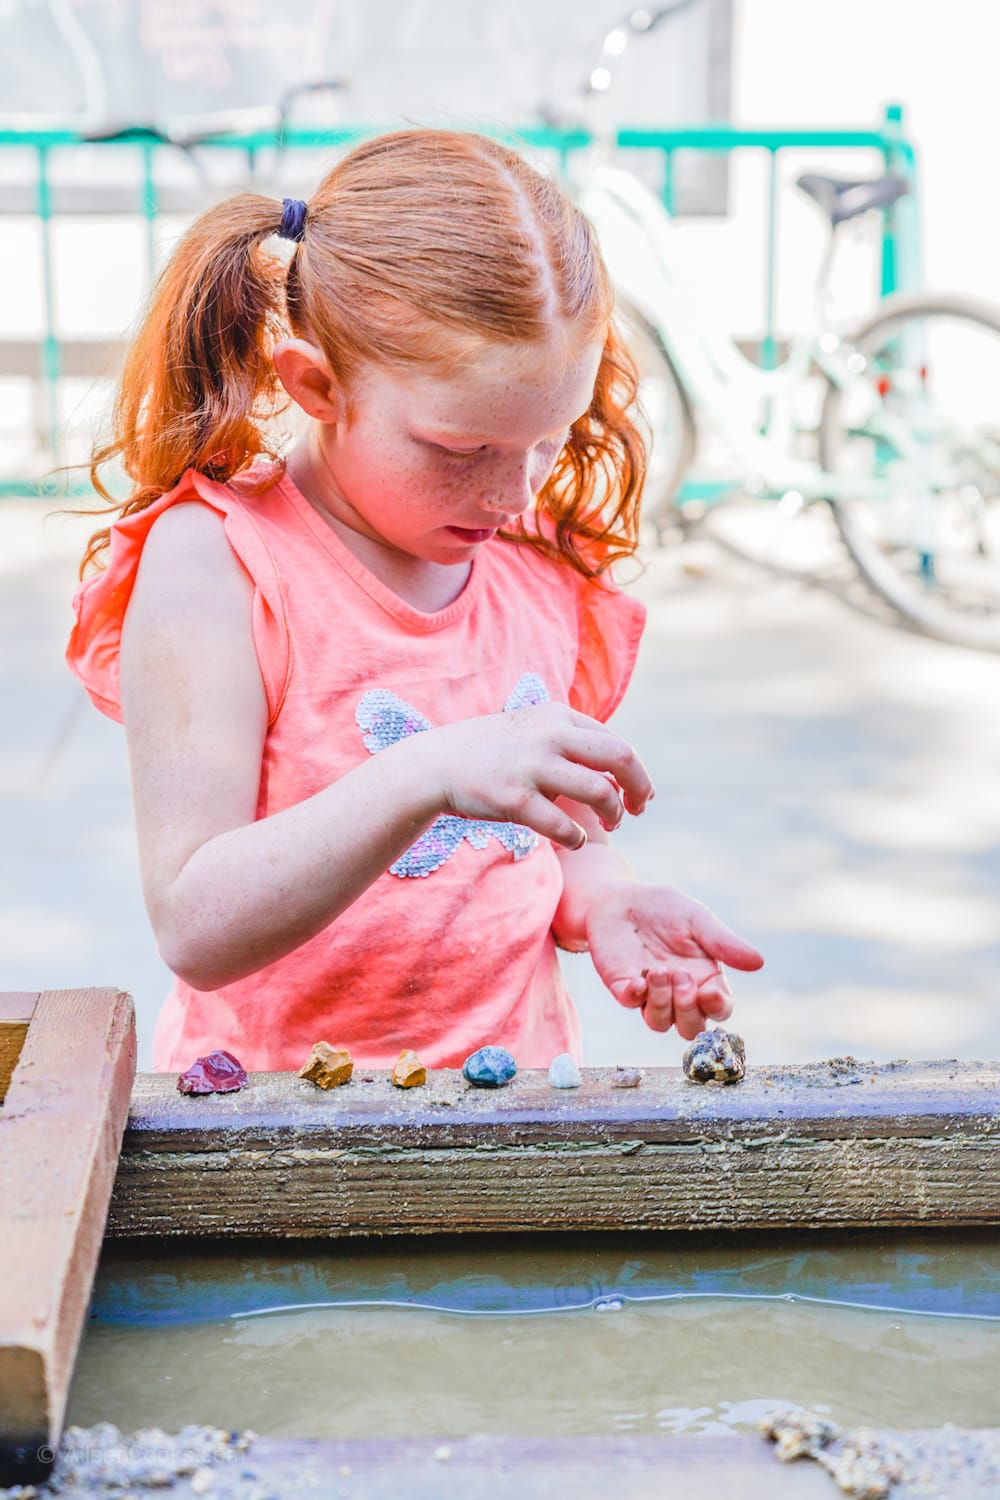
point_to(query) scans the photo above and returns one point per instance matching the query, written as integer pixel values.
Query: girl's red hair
(418, 246)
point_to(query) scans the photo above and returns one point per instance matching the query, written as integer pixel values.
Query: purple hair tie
(293, 220)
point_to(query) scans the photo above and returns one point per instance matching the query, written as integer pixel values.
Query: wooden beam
(60, 1130)
(826, 1145)
(952, 1462)
(16, 1011)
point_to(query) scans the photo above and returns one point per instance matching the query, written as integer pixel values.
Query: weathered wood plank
(959, 1464)
(16, 1011)
(626, 1467)
(821, 1146)
(60, 1131)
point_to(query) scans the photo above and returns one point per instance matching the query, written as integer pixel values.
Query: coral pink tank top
(452, 947)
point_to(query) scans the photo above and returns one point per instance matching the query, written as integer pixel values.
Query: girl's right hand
(511, 767)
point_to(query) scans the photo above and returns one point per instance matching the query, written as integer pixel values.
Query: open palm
(660, 951)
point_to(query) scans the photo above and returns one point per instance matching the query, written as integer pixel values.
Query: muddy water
(615, 1335)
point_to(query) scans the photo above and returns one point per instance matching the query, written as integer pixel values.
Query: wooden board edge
(588, 1467)
(18, 1005)
(63, 1123)
(915, 1145)
(293, 1191)
(16, 1010)
(921, 1098)
(92, 1220)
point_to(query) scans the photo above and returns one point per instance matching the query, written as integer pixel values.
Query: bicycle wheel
(918, 421)
(668, 413)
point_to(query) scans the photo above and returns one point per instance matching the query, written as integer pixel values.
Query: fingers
(672, 998)
(720, 943)
(688, 1016)
(630, 992)
(558, 752)
(673, 1001)
(715, 1000)
(652, 992)
(591, 788)
(603, 750)
(535, 811)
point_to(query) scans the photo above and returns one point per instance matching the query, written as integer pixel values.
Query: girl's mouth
(464, 533)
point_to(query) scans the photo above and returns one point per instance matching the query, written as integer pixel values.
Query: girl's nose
(513, 490)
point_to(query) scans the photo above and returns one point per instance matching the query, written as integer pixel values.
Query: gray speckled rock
(489, 1067)
(716, 1056)
(564, 1073)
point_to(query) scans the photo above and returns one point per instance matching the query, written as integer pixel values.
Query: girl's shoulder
(546, 560)
(606, 622)
(199, 535)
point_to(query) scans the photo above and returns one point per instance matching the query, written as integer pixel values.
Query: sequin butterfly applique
(385, 719)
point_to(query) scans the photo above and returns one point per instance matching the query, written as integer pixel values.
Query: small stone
(489, 1068)
(201, 1481)
(798, 1434)
(564, 1073)
(443, 1453)
(327, 1067)
(409, 1072)
(218, 1073)
(626, 1078)
(716, 1056)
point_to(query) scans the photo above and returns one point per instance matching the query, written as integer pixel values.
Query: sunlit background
(827, 777)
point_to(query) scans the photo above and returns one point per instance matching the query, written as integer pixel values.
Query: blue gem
(490, 1067)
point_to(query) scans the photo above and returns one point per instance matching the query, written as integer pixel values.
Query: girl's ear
(308, 379)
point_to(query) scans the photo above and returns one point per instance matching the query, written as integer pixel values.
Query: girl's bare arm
(227, 895)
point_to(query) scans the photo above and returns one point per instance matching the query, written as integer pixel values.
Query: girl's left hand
(659, 951)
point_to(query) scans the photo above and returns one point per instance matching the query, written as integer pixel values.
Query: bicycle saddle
(841, 198)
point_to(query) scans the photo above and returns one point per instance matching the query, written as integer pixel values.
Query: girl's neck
(425, 586)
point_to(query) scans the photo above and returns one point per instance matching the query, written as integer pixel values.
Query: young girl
(365, 686)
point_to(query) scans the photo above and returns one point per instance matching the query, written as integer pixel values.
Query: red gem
(218, 1073)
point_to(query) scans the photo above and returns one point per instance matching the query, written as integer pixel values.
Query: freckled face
(433, 466)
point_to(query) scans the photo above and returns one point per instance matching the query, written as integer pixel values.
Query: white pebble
(564, 1073)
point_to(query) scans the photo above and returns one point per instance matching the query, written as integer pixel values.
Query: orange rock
(327, 1067)
(409, 1071)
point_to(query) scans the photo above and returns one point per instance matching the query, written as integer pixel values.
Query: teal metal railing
(900, 240)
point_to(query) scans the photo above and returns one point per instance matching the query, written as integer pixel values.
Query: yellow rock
(327, 1067)
(409, 1071)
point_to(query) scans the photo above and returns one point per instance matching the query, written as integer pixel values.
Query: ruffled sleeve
(100, 602)
(610, 629)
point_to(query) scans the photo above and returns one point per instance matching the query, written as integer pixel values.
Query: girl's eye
(459, 452)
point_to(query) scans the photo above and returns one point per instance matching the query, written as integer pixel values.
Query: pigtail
(199, 380)
(594, 492)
